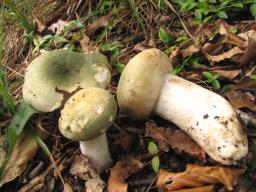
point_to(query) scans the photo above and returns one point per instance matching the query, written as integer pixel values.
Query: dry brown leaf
(177, 139)
(84, 43)
(58, 27)
(67, 188)
(228, 74)
(198, 176)
(39, 24)
(242, 94)
(103, 21)
(24, 149)
(239, 99)
(82, 168)
(250, 53)
(95, 185)
(122, 170)
(208, 188)
(225, 55)
(190, 50)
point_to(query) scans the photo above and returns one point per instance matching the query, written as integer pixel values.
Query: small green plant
(164, 36)
(115, 49)
(207, 10)
(253, 77)
(155, 161)
(212, 79)
(227, 87)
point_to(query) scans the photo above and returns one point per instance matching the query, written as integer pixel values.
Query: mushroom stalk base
(97, 151)
(207, 117)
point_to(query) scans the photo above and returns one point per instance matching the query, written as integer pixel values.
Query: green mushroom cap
(62, 70)
(87, 114)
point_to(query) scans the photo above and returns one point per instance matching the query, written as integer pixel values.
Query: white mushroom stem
(97, 151)
(207, 117)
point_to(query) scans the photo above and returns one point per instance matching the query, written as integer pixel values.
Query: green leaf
(215, 83)
(238, 5)
(253, 9)
(227, 87)
(216, 76)
(198, 14)
(17, 125)
(222, 15)
(207, 19)
(59, 39)
(164, 36)
(253, 77)
(118, 66)
(114, 47)
(152, 148)
(155, 162)
(42, 144)
(207, 75)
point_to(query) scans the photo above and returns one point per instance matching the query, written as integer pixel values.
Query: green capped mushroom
(86, 116)
(62, 70)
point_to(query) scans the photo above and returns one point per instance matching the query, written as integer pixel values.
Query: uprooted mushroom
(146, 86)
(56, 72)
(86, 116)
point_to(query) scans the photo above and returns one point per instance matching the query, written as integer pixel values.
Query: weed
(212, 79)
(155, 161)
(207, 10)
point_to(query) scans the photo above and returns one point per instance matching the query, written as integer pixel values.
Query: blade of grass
(132, 5)
(46, 150)
(17, 125)
(19, 16)
(4, 92)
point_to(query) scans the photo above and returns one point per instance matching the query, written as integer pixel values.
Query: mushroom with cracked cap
(62, 70)
(146, 85)
(85, 117)
(58, 71)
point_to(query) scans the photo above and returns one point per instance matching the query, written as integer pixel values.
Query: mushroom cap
(62, 70)
(87, 114)
(140, 83)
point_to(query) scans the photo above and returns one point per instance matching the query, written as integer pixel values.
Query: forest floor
(211, 43)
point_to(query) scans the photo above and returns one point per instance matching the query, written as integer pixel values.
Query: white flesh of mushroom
(207, 117)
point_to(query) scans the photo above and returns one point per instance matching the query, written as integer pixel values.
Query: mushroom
(146, 86)
(62, 70)
(85, 117)
(56, 72)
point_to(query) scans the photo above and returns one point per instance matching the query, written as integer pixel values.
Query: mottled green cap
(62, 70)
(87, 114)
(140, 83)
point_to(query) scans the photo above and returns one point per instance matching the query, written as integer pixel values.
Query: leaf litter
(220, 51)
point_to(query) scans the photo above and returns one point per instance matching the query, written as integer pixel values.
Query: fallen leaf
(67, 188)
(177, 139)
(58, 27)
(24, 149)
(208, 188)
(82, 168)
(198, 176)
(122, 170)
(190, 50)
(242, 94)
(84, 43)
(40, 24)
(95, 185)
(228, 74)
(226, 55)
(239, 99)
(249, 54)
(103, 21)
